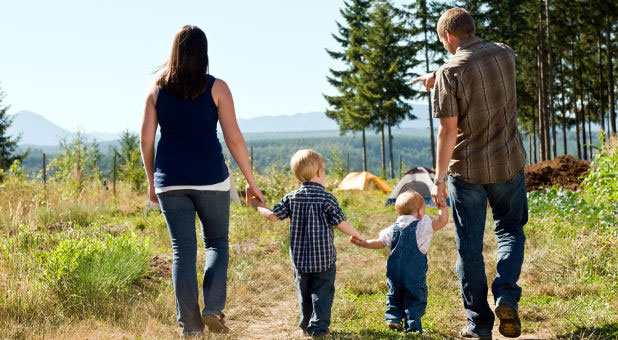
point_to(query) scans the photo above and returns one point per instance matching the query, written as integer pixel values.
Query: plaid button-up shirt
(313, 212)
(477, 84)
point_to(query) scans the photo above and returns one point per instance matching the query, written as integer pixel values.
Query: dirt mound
(565, 171)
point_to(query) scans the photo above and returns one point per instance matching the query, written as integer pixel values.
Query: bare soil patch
(565, 171)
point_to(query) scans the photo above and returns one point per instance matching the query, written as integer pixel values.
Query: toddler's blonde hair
(409, 203)
(306, 163)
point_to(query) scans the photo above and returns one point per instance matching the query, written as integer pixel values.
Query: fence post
(400, 167)
(44, 173)
(347, 164)
(114, 182)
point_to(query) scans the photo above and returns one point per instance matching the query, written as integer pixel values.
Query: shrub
(88, 269)
(601, 184)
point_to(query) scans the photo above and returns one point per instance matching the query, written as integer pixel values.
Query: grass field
(77, 262)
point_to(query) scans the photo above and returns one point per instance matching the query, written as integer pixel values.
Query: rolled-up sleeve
(333, 212)
(282, 209)
(444, 95)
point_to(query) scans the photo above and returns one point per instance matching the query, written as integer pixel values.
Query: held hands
(251, 192)
(255, 203)
(358, 241)
(428, 80)
(438, 194)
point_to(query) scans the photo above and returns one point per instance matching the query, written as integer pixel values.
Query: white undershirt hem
(221, 186)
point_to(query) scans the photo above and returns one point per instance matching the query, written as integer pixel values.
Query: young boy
(406, 266)
(313, 212)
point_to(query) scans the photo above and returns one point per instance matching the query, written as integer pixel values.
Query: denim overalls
(405, 275)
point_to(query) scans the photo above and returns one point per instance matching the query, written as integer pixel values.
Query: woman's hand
(253, 191)
(152, 196)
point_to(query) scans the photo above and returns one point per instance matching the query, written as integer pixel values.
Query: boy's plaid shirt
(313, 212)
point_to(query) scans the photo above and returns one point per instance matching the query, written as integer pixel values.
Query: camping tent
(363, 180)
(417, 179)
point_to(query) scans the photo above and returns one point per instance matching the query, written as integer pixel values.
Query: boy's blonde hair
(306, 163)
(409, 203)
(458, 22)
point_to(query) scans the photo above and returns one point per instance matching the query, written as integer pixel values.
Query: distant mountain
(37, 130)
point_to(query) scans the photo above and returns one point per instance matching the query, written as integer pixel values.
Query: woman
(190, 174)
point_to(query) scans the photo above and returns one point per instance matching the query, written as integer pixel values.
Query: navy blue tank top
(189, 152)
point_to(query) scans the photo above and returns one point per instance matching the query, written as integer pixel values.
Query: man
(479, 143)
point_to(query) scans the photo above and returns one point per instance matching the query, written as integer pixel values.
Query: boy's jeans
(213, 209)
(509, 205)
(315, 298)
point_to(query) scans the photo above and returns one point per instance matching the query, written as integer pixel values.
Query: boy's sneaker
(467, 334)
(510, 325)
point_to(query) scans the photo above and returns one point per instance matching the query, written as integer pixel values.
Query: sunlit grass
(569, 278)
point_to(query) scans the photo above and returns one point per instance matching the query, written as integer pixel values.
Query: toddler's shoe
(510, 325)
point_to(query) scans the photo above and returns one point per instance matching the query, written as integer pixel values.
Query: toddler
(406, 266)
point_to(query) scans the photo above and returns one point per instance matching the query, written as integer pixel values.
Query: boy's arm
(262, 209)
(348, 229)
(371, 244)
(442, 219)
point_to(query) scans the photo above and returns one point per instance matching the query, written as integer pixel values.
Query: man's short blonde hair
(458, 22)
(409, 203)
(306, 163)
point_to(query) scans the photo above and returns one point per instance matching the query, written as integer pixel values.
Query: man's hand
(438, 194)
(428, 80)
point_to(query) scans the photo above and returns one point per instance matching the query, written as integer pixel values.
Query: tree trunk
(610, 76)
(583, 112)
(433, 142)
(383, 151)
(541, 88)
(390, 150)
(534, 135)
(550, 82)
(529, 149)
(590, 145)
(364, 152)
(574, 102)
(601, 99)
(563, 97)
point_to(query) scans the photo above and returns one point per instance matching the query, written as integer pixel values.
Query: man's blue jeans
(509, 205)
(316, 292)
(213, 209)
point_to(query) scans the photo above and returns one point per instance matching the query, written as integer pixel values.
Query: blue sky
(86, 65)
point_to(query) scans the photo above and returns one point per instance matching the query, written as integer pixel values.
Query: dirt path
(277, 322)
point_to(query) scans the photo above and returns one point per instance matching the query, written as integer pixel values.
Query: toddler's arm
(371, 244)
(442, 218)
(262, 209)
(348, 229)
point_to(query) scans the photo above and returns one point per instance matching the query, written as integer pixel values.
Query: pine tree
(8, 144)
(347, 108)
(385, 77)
(425, 16)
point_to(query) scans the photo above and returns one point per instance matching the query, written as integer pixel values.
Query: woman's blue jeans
(213, 209)
(509, 207)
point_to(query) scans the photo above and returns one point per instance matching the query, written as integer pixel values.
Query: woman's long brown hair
(185, 73)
